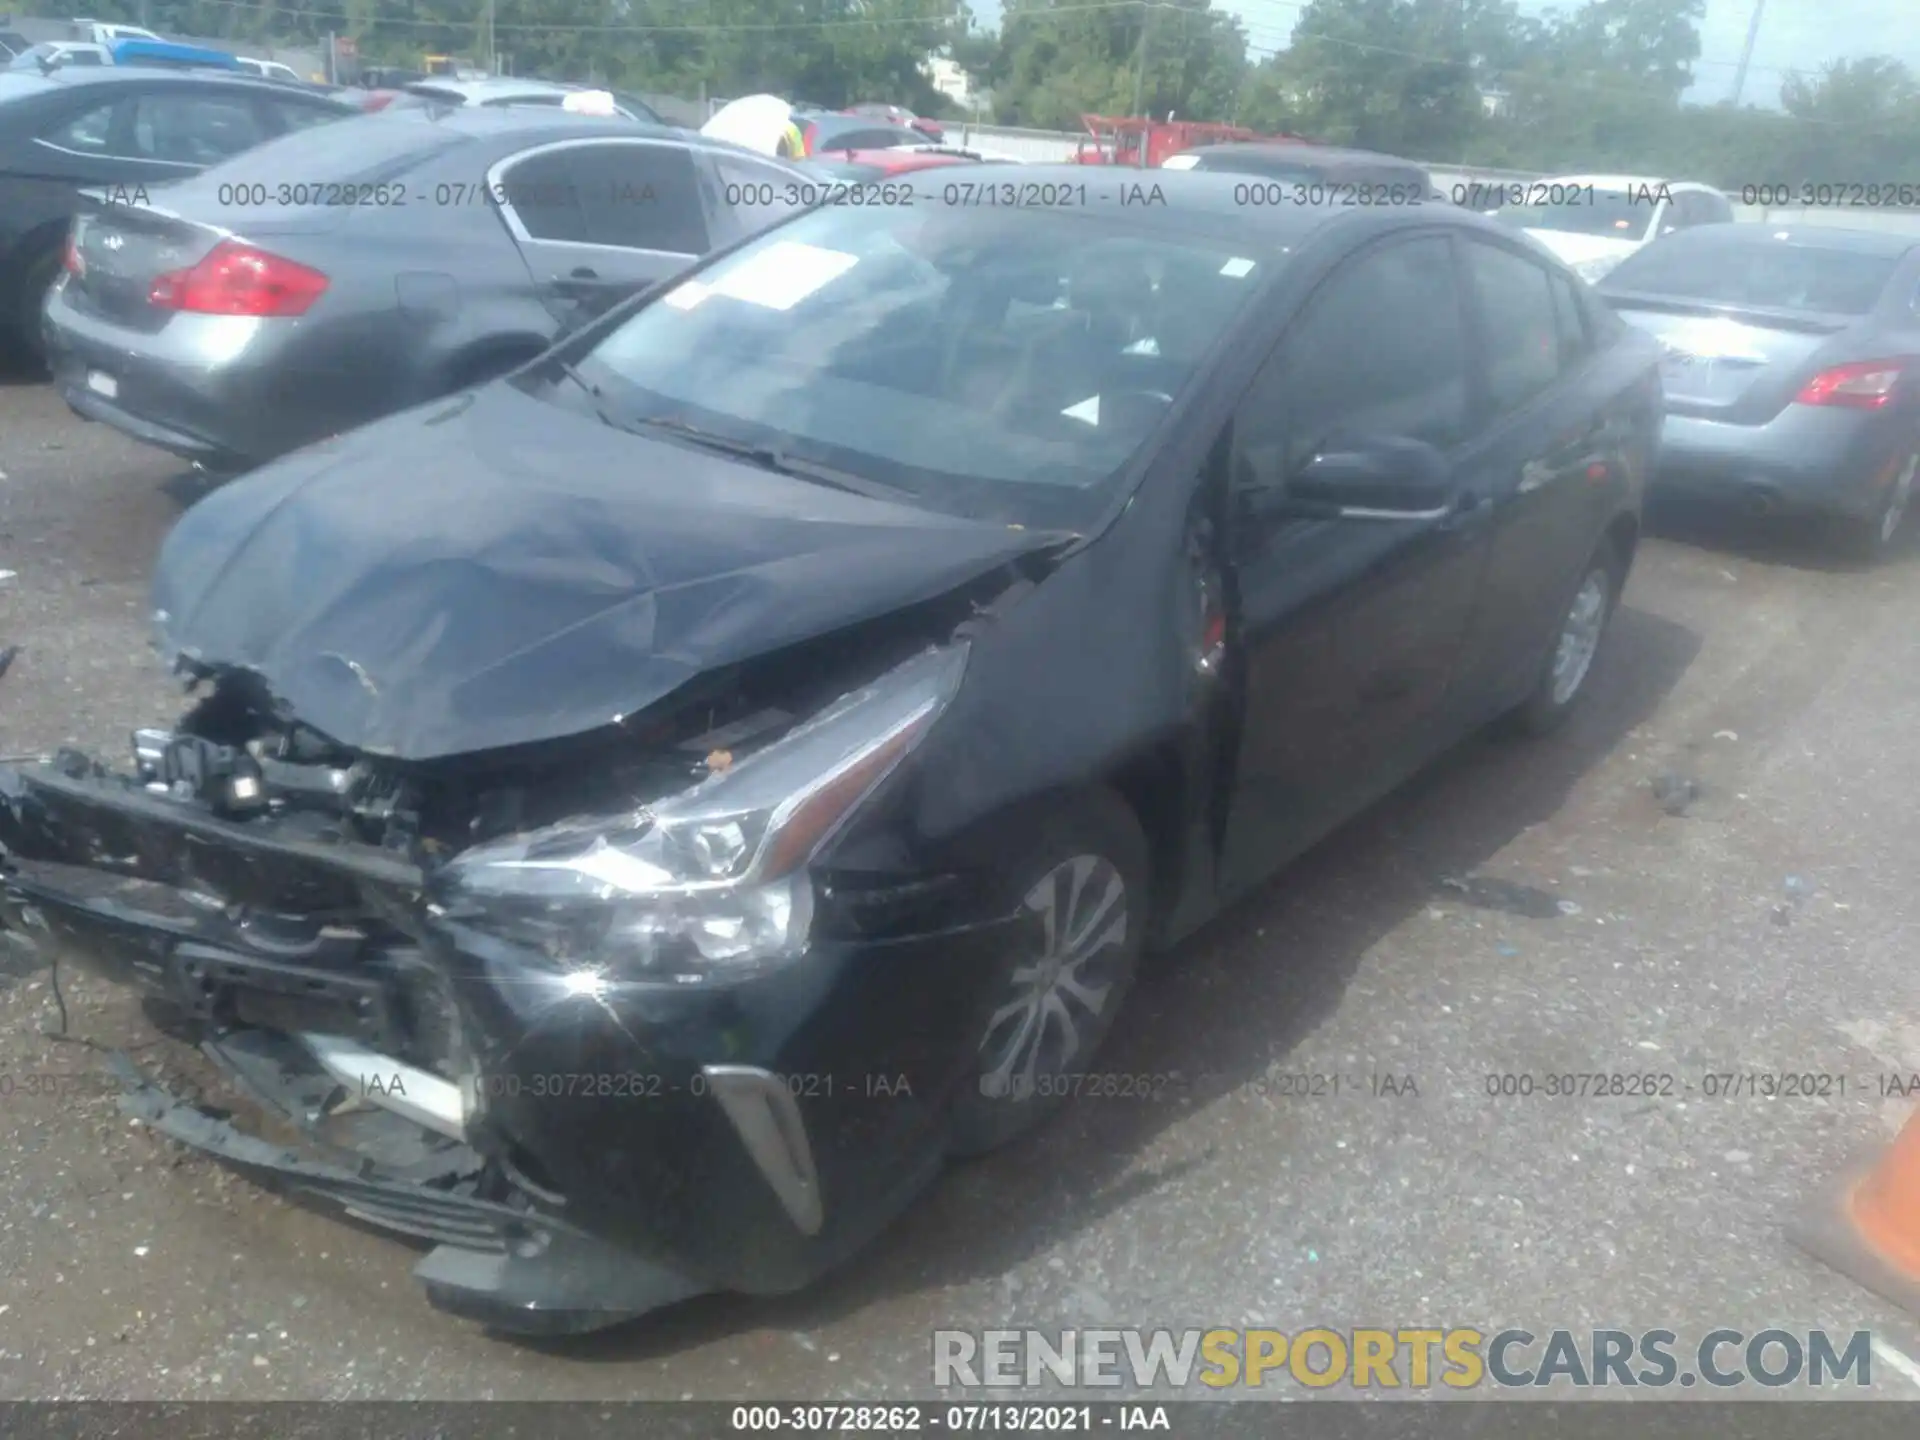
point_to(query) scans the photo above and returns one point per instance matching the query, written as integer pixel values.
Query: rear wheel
(1873, 538)
(1584, 625)
(23, 318)
(1081, 887)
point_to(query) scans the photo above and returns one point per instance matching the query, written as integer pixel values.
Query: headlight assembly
(713, 880)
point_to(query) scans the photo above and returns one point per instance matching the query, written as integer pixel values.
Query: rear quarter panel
(414, 289)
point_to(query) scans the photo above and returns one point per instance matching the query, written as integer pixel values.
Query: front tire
(1081, 884)
(1563, 679)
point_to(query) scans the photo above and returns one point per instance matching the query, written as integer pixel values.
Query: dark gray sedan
(347, 272)
(1792, 368)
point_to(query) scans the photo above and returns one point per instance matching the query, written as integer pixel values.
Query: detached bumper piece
(514, 1270)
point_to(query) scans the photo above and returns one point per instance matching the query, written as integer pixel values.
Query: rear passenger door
(126, 141)
(1544, 426)
(598, 220)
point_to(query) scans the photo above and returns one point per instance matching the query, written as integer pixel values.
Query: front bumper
(1807, 460)
(635, 1144)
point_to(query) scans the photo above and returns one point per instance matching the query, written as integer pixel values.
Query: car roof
(493, 87)
(1306, 154)
(152, 75)
(1626, 182)
(481, 121)
(1207, 202)
(1811, 237)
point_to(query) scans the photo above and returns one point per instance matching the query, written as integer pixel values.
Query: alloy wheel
(1059, 1000)
(1580, 636)
(1898, 501)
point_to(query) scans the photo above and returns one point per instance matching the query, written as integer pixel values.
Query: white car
(1593, 222)
(96, 33)
(269, 69)
(50, 54)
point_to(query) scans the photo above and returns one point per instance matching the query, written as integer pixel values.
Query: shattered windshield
(990, 362)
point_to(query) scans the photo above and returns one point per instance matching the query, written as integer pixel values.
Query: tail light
(1863, 385)
(70, 260)
(807, 132)
(236, 279)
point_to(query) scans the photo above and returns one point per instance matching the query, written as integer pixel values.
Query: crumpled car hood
(496, 570)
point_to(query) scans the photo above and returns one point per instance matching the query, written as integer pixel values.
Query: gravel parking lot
(1768, 928)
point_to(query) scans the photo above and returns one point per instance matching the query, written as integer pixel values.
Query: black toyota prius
(641, 817)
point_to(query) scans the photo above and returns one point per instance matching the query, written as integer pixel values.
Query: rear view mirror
(1383, 479)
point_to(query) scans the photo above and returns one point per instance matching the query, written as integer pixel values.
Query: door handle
(1469, 510)
(583, 272)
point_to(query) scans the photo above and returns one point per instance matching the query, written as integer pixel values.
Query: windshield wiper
(593, 392)
(771, 457)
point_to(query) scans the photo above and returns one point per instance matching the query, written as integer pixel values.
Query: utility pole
(487, 24)
(1140, 73)
(1746, 51)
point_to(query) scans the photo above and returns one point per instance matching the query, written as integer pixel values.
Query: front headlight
(712, 880)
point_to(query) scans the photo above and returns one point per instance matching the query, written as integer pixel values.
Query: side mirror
(1383, 479)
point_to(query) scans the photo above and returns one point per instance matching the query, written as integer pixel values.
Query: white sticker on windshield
(685, 297)
(1237, 267)
(1180, 162)
(1087, 410)
(782, 275)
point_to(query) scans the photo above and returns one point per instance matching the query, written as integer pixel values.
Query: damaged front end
(541, 1009)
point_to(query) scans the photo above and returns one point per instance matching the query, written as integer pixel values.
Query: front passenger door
(1349, 627)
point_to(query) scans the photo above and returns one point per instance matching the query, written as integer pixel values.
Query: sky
(1794, 34)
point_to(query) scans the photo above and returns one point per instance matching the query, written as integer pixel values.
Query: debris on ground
(7, 656)
(1676, 793)
(1486, 892)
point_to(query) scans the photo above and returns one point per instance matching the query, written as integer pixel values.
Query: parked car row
(117, 132)
(843, 663)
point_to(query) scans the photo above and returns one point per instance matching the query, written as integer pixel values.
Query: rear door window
(88, 133)
(182, 127)
(639, 196)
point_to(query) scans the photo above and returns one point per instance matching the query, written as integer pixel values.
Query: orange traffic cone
(1867, 1226)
